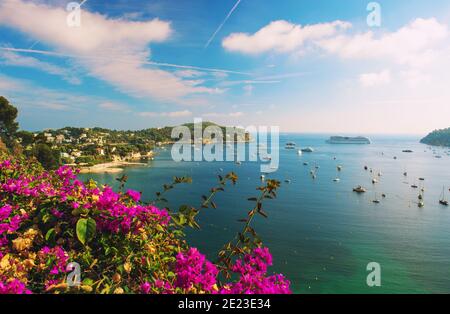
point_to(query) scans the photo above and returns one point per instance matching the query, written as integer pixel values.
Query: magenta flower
(135, 195)
(146, 288)
(5, 211)
(194, 270)
(13, 287)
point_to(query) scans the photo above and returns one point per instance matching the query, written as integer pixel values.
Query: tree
(8, 124)
(48, 158)
(27, 138)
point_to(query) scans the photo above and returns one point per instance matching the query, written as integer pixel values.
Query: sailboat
(443, 201)
(376, 200)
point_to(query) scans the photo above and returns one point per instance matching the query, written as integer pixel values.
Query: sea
(322, 235)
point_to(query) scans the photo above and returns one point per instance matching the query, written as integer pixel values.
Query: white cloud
(375, 79)
(99, 42)
(13, 59)
(223, 115)
(173, 114)
(281, 37)
(7, 85)
(112, 106)
(26, 95)
(417, 44)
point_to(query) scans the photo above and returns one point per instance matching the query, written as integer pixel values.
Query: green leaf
(86, 229)
(50, 235)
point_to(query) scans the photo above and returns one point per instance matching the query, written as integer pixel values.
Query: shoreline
(110, 167)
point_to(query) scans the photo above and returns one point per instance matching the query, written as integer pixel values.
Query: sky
(305, 66)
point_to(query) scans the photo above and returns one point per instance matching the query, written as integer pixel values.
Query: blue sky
(305, 66)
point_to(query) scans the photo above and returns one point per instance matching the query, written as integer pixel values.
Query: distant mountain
(438, 138)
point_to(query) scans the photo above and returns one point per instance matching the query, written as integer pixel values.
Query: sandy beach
(111, 167)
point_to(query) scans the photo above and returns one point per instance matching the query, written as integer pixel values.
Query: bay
(321, 234)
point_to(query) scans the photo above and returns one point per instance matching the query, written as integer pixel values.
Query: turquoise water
(323, 235)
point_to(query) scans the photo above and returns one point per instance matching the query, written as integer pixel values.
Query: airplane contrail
(222, 24)
(159, 64)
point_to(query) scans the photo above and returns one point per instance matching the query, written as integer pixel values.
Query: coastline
(110, 167)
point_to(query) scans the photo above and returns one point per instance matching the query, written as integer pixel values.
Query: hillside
(438, 138)
(99, 145)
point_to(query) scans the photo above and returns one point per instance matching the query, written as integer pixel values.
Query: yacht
(359, 189)
(290, 145)
(348, 140)
(307, 150)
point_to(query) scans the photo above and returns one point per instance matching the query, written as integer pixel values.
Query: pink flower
(75, 205)
(146, 288)
(5, 211)
(135, 195)
(193, 269)
(13, 287)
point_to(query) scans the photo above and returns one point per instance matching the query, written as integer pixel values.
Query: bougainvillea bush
(51, 220)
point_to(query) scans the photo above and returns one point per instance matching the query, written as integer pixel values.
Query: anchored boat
(443, 200)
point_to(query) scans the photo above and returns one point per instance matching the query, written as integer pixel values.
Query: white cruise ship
(348, 140)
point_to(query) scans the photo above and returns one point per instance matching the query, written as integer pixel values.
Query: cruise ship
(348, 140)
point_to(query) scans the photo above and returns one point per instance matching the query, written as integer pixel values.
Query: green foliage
(121, 244)
(8, 124)
(48, 158)
(27, 138)
(438, 138)
(85, 229)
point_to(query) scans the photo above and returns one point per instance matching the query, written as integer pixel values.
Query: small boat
(307, 150)
(263, 177)
(305, 163)
(395, 157)
(380, 174)
(336, 180)
(420, 197)
(438, 156)
(287, 181)
(299, 152)
(422, 179)
(366, 168)
(339, 168)
(443, 200)
(359, 189)
(383, 195)
(407, 151)
(238, 163)
(374, 181)
(421, 204)
(290, 145)
(376, 200)
(414, 186)
(405, 174)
